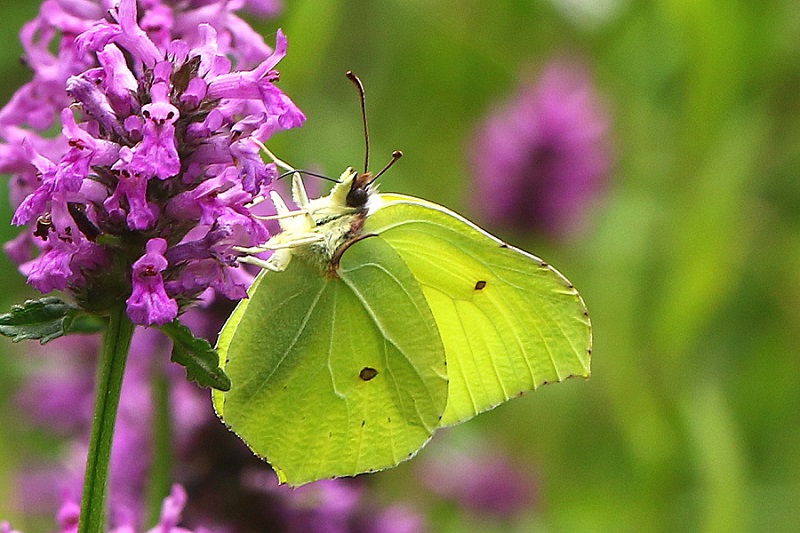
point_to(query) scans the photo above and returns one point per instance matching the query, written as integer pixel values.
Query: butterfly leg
(287, 218)
(281, 242)
(281, 246)
(277, 262)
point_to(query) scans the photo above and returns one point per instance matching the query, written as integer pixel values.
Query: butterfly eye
(357, 197)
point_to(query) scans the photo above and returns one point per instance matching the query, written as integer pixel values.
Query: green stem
(159, 482)
(110, 369)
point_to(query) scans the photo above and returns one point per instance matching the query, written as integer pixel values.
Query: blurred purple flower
(171, 511)
(5, 527)
(264, 8)
(146, 191)
(396, 519)
(227, 487)
(483, 483)
(326, 506)
(60, 396)
(67, 517)
(170, 517)
(540, 160)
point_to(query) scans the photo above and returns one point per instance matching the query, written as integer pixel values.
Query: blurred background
(648, 150)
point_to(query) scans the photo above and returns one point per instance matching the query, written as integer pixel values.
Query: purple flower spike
(539, 161)
(159, 144)
(149, 303)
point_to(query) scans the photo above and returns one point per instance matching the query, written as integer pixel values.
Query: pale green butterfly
(380, 318)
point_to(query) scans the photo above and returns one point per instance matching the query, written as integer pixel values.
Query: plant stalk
(110, 370)
(159, 476)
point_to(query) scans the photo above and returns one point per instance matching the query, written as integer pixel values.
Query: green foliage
(197, 355)
(46, 319)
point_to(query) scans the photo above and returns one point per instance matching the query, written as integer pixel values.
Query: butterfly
(380, 318)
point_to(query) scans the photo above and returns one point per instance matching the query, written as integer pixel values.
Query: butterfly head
(360, 190)
(359, 186)
(355, 190)
(352, 192)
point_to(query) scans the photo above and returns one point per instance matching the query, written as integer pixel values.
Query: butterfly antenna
(397, 154)
(357, 82)
(307, 173)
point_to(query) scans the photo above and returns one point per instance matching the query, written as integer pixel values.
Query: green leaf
(197, 355)
(43, 320)
(79, 322)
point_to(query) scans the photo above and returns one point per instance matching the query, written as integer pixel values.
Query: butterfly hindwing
(509, 322)
(334, 374)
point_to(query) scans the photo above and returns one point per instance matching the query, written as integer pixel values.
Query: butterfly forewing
(508, 321)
